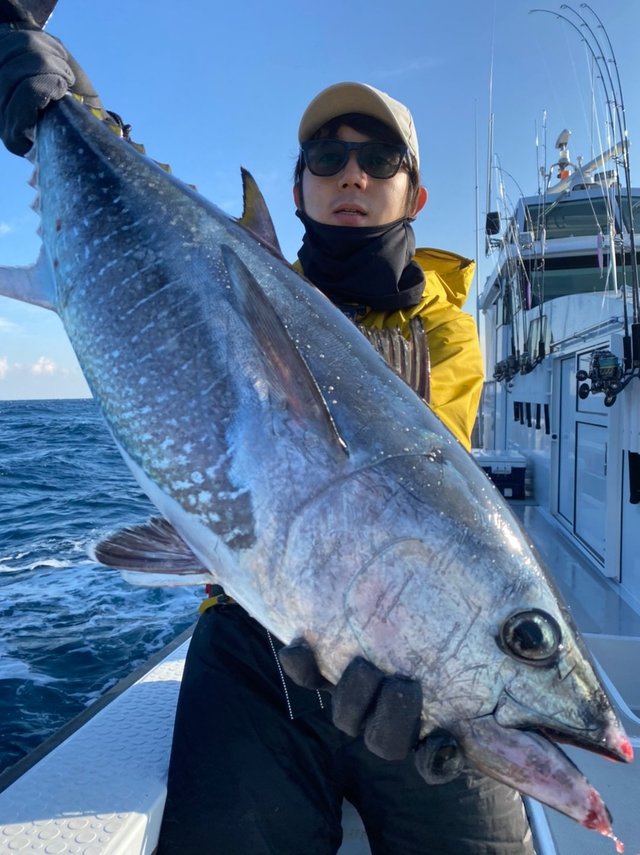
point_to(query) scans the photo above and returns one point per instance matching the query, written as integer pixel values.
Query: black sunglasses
(378, 159)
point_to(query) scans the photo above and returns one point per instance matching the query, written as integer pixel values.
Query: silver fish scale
(132, 332)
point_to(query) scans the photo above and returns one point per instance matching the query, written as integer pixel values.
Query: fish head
(442, 584)
(551, 684)
(543, 675)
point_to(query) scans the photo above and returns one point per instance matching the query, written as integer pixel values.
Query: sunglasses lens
(325, 157)
(328, 157)
(380, 160)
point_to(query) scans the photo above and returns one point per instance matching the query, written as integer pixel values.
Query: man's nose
(352, 172)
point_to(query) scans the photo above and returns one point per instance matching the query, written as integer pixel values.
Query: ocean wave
(37, 565)
(69, 629)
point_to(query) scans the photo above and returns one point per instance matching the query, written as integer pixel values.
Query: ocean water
(69, 629)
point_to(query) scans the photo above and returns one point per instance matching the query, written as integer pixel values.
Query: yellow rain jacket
(457, 372)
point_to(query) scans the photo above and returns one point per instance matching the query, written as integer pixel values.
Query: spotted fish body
(302, 473)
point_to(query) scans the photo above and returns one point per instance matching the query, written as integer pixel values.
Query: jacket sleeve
(457, 372)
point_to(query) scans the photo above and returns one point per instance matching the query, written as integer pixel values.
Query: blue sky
(224, 85)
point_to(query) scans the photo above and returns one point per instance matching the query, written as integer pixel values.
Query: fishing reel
(605, 375)
(506, 369)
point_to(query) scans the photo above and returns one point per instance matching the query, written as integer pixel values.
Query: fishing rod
(622, 121)
(538, 231)
(605, 374)
(519, 291)
(495, 227)
(632, 356)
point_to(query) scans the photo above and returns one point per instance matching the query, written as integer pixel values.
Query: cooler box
(505, 468)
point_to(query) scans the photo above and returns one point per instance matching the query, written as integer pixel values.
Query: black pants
(257, 768)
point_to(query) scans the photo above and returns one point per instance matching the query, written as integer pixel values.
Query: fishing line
(622, 119)
(614, 96)
(487, 241)
(614, 103)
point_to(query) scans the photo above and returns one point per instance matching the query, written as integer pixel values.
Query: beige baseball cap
(359, 98)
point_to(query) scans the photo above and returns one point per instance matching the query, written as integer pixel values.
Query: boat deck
(101, 790)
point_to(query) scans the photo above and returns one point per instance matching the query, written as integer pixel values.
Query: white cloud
(4, 367)
(7, 326)
(414, 66)
(43, 365)
(5, 229)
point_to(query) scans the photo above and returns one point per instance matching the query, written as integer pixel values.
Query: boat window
(571, 218)
(505, 301)
(635, 200)
(560, 279)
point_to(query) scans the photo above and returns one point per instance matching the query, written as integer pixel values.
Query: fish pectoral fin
(255, 215)
(33, 284)
(151, 547)
(284, 370)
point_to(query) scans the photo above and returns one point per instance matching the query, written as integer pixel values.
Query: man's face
(353, 198)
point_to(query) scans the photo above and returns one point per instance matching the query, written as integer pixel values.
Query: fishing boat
(559, 432)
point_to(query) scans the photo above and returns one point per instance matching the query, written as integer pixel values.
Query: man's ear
(297, 197)
(421, 201)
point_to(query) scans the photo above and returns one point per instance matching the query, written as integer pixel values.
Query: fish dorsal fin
(151, 547)
(290, 381)
(255, 215)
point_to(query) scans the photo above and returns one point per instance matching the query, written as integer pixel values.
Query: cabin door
(582, 459)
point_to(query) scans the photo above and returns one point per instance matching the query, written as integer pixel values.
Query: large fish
(295, 468)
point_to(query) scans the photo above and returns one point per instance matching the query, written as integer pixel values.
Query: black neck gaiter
(369, 265)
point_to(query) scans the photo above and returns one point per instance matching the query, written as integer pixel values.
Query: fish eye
(532, 636)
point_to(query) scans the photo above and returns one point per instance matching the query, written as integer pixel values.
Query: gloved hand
(386, 710)
(34, 69)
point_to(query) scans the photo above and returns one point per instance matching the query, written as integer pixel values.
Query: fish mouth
(601, 732)
(612, 747)
(517, 744)
(531, 763)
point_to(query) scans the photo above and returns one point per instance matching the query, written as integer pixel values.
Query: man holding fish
(265, 748)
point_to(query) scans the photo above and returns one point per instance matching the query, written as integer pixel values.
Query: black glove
(385, 709)
(34, 69)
